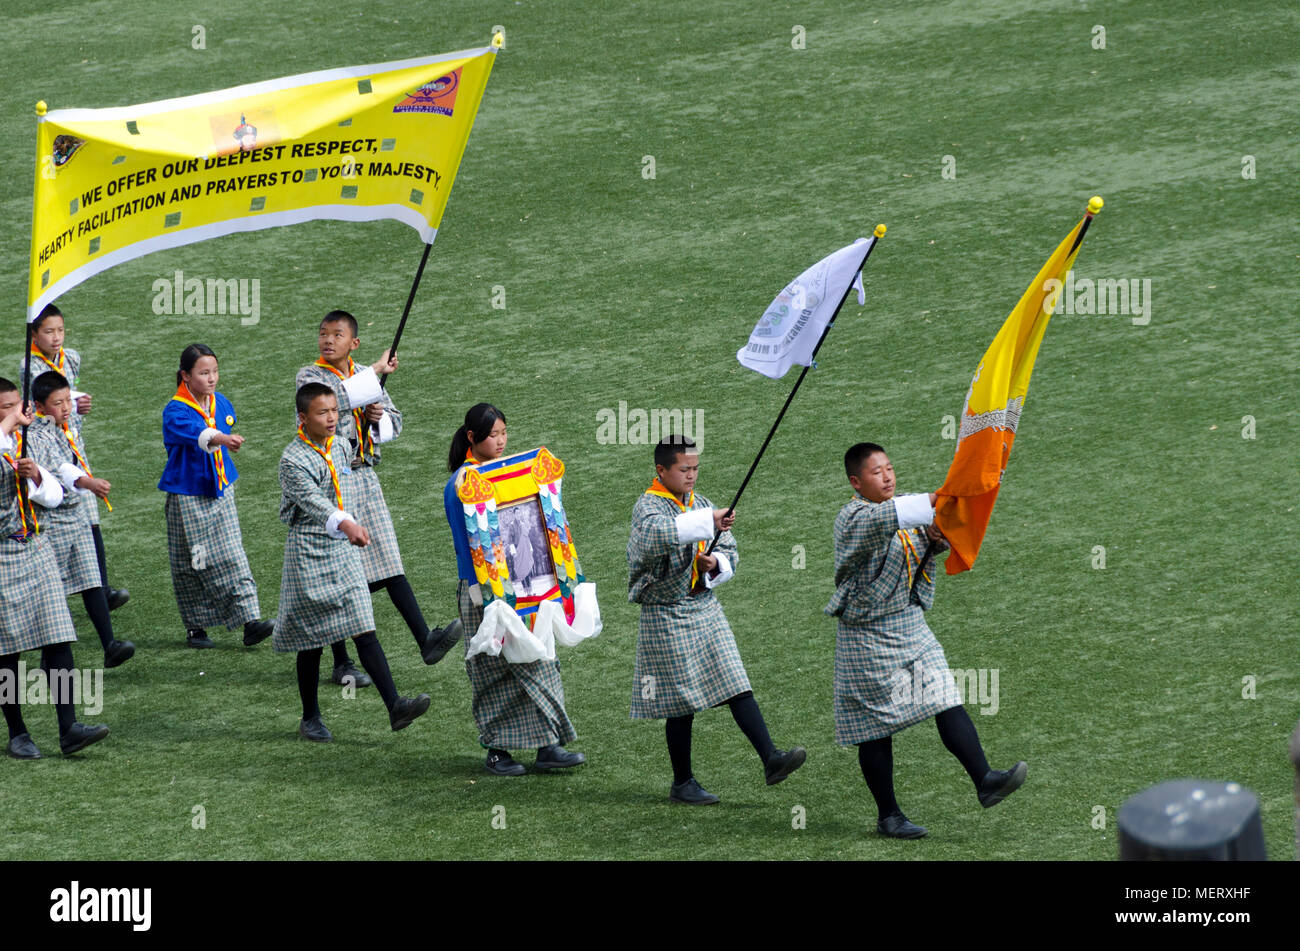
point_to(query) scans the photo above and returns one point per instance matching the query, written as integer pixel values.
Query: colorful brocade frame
(483, 487)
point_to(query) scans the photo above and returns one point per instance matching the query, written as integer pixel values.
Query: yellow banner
(361, 143)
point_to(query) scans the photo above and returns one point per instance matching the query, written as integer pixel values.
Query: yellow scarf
(85, 466)
(183, 395)
(365, 441)
(327, 454)
(26, 507)
(657, 488)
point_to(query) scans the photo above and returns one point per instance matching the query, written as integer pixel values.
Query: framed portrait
(519, 535)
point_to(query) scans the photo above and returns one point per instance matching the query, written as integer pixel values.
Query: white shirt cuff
(725, 571)
(694, 526)
(6, 442)
(913, 510)
(386, 432)
(363, 388)
(69, 474)
(48, 494)
(205, 439)
(334, 521)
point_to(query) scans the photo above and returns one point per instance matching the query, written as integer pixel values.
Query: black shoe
(117, 597)
(257, 631)
(198, 638)
(437, 643)
(898, 826)
(118, 653)
(79, 736)
(314, 730)
(499, 764)
(22, 747)
(692, 793)
(998, 784)
(408, 709)
(781, 764)
(556, 756)
(359, 678)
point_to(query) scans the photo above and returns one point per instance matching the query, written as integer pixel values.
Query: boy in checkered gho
(890, 671)
(686, 656)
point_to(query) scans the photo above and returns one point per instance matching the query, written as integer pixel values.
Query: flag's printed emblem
(65, 146)
(438, 97)
(245, 134)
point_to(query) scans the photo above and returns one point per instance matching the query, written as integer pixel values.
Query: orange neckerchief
(365, 441)
(469, 457)
(657, 488)
(326, 454)
(85, 466)
(183, 395)
(26, 507)
(58, 368)
(910, 552)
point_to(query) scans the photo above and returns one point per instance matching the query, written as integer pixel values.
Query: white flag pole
(878, 234)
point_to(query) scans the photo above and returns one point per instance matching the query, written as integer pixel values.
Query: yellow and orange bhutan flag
(993, 405)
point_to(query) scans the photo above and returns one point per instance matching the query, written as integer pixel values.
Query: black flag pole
(878, 234)
(410, 299)
(27, 389)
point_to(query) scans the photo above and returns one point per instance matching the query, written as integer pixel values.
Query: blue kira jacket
(190, 470)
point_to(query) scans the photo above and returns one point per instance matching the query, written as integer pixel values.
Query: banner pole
(27, 389)
(410, 299)
(878, 233)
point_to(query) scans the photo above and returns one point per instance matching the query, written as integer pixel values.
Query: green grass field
(624, 288)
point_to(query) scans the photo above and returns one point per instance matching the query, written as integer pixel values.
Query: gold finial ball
(880, 231)
(41, 108)
(1095, 204)
(499, 39)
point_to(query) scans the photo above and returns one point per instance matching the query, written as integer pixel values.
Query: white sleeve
(49, 493)
(205, 439)
(386, 433)
(6, 442)
(363, 388)
(913, 510)
(334, 521)
(694, 526)
(68, 475)
(725, 571)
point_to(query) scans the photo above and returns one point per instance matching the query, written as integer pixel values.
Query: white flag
(789, 330)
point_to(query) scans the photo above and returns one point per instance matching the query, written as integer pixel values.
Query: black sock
(745, 711)
(99, 555)
(399, 589)
(376, 665)
(308, 681)
(340, 651)
(958, 734)
(96, 602)
(678, 732)
(493, 751)
(55, 659)
(13, 710)
(876, 757)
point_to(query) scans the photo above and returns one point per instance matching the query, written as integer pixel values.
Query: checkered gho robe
(686, 656)
(516, 706)
(33, 607)
(890, 671)
(323, 593)
(382, 558)
(67, 527)
(71, 372)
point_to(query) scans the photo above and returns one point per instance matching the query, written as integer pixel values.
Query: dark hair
(670, 447)
(335, 316)
(479, 420)
(49, 310)
(309, 392)
(857, 455)
(47, 384)
(190, 356)
(8, 386)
